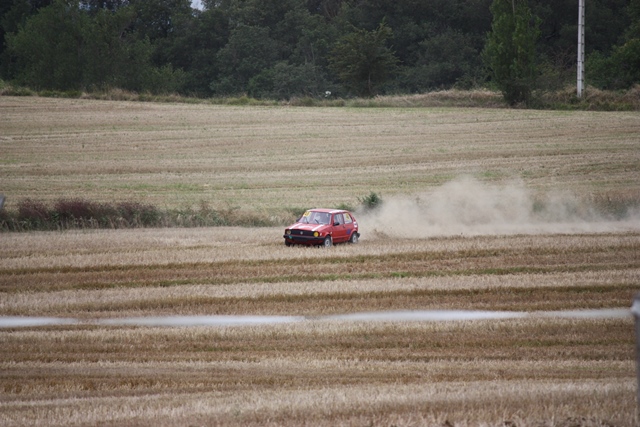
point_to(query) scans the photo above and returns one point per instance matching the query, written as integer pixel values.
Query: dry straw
(273, 161)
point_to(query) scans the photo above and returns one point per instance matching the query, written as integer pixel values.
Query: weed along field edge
(523, 227)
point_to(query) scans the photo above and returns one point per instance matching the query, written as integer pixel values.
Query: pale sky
(197, 4)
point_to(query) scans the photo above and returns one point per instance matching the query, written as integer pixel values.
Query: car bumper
(303, 240)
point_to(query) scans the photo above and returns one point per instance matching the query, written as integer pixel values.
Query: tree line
(281, 49)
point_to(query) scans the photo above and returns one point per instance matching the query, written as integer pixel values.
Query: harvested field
(511, 255)
(273, 159)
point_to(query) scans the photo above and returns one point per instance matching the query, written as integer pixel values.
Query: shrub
(345, 206)
(371, 201)
(59, 94)
(16, 91)
(138, 214)
(79, 213)
(619, 71)
(33, 214)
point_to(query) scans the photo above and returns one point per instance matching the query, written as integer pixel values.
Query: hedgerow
(78, 213)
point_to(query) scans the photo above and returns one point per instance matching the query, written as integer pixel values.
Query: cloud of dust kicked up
(466, 206)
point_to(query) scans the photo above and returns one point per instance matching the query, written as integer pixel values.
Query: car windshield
(312, 217)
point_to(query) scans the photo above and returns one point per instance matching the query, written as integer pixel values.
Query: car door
(339, 230)
(349, 224)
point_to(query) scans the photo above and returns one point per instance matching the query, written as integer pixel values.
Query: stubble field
(529, 213)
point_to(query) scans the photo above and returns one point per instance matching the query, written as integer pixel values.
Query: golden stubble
(118, 273)
(270, 159)
(469, 373)
(533, 371)
(530, 371)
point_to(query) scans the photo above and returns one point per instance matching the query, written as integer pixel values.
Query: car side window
(347, 219)
(338, 219)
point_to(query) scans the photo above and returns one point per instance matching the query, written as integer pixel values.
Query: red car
(323, 227)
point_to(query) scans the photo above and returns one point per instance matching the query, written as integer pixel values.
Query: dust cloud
(466, 206)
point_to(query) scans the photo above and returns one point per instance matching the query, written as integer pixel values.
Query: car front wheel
(354, 238)
(327, 242)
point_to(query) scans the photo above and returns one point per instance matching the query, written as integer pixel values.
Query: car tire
(354, 238)
(288, 243)
(327, 243)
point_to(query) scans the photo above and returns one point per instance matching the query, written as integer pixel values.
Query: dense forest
(295, 48)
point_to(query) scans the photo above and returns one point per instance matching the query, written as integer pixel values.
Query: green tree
(510, 52)
(115, 54)
(166, 23)
(620, 69)
(285, 48)
(634, 13)
(65, 46)
(362, 61)
(159, 19)
(250, 50)
(328, 9)
(13, 16)
(196, 50)
(444, 60)
(46, 52)
(94, 6)
(284, 81)
(314, 41)
(105, 48)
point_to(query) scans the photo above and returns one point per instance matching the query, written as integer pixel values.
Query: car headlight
(288, 231)
(316, 234)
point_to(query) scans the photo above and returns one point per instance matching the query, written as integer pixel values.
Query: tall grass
(565, 99)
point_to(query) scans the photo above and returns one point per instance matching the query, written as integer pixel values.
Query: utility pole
(635, 310)
(580, 48)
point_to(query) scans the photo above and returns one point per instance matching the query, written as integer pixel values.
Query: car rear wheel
(354, 238)
(327, 243)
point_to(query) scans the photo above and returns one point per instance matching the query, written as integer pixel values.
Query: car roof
(328, 210)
